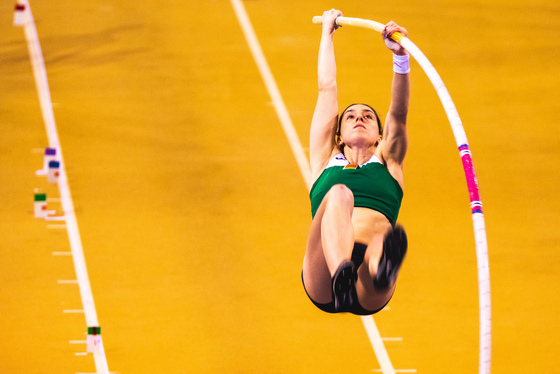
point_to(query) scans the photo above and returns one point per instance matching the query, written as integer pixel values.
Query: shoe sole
(395, 247)
(342, 286)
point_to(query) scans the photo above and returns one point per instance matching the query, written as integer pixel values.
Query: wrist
(401, 64)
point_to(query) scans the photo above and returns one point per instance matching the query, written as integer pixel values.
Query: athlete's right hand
(329, 20)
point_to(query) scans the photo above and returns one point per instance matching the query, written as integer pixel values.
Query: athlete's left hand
(389, 29)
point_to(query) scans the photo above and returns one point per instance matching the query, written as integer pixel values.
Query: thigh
(316, 275)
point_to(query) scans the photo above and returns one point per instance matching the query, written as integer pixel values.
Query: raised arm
(395, 142)
(323, 124)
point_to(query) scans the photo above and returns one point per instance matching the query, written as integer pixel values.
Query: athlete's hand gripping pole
(365, 23)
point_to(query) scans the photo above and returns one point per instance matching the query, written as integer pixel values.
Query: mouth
(359, 125)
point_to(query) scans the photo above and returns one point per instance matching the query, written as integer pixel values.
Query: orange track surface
(193, 213)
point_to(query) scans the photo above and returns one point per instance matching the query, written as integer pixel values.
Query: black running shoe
(342, 285)
(394, 251)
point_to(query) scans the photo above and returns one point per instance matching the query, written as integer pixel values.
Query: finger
(392, 27)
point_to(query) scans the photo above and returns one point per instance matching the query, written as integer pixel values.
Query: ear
(339, 141)
(378, 140)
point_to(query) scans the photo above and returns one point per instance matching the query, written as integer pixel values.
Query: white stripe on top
(340, 160)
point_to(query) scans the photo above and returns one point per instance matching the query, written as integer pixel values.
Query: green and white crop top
(371, 183)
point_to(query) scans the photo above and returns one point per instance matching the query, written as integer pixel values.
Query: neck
(358, 156)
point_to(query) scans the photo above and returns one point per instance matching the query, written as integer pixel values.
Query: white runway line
(273, 91)
(378, 346)
(301, 158)
(40, 75)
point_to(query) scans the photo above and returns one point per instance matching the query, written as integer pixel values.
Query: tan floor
(193, 213)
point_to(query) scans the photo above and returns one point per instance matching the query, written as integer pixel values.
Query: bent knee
(341, 194)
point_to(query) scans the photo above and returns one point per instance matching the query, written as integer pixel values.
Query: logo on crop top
(351, 166)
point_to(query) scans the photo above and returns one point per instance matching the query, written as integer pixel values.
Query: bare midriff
(368, 223)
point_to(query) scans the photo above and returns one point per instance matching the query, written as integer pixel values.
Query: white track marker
(26, 20)
(73, 311)
(297, 149)
(55, 218)
(392, 339)
(40, 205)
(49, 155)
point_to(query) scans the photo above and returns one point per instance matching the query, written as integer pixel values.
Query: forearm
(326, 66)
(395, 136)
(400, 91)
(400, 96)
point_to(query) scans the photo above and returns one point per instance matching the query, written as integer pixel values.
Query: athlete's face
(359, 123)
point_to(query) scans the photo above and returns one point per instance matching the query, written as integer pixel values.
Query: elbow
(401, 118)
(399, 115)
(327, 85)
(326, 79)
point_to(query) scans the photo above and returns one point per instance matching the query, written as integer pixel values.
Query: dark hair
(345, 110)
